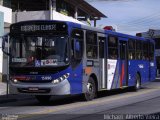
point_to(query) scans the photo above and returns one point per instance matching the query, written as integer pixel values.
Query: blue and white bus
(59, 58)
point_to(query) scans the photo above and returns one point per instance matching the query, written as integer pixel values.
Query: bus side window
(151, 51)
(138, 50)
(145, 50)
(91, 45)
(101, 47)
(112, 47)
(131, 51)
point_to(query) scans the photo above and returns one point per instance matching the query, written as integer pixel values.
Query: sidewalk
(3, 94)
(4, 98)
(3, 88)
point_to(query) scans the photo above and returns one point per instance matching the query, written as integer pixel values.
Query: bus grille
(40, 90)
(35, 81)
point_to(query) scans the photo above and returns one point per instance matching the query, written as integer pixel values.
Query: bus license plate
(33, 89)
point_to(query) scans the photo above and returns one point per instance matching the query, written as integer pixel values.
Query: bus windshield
(38, 51)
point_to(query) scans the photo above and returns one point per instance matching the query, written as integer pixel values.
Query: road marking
(96, 102)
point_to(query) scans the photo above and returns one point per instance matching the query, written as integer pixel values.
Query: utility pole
(52, 7)
(76, 12)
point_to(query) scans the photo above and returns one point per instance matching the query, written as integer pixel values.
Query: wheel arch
(95, 80)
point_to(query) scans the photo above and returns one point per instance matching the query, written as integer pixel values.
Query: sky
(129, 16)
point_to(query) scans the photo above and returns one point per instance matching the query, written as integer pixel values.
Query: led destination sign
(36, 26)
(32, 28)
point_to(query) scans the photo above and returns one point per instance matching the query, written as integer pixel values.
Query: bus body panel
(117, 74)
(152, 70)
(113, 74)
(76, 80)
(90, 71)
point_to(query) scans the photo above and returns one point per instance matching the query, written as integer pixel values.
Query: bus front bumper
(62, 88)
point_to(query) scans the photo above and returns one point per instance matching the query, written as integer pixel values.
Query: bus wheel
(138, 82)
(91, 90)
(43, 98)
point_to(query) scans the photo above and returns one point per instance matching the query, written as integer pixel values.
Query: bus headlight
(15, 80)
(56, 81)
(60, 79)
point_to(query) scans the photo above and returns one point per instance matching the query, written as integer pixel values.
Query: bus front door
(123, 62)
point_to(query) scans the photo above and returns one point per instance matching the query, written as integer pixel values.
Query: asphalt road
(119, 104)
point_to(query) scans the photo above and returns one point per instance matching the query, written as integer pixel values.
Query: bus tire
(91, 90)
(138, 83)
(43, 98)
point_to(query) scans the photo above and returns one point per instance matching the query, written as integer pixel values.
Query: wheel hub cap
(89, 88)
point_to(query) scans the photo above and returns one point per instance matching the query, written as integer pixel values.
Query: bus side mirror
(5, 44)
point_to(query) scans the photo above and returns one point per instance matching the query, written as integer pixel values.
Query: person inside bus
(139, 55)
(113, 54)
(130, 55)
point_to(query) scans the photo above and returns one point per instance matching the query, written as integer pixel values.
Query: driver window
(77, 43)
(76, 47)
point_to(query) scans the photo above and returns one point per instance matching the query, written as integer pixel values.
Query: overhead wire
(145, 20)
